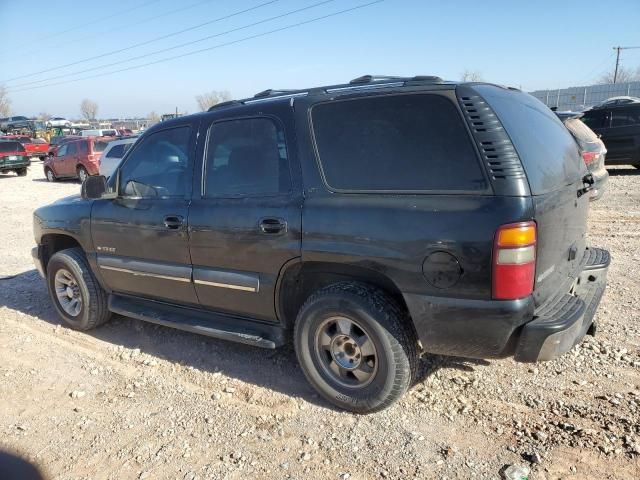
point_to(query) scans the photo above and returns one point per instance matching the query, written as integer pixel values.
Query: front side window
(396, 143)
(158, 166)
(246, 157)
(62, 151)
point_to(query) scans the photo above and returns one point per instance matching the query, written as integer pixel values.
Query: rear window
(99, 146)
(548, 151)
(6, 147)
(580, 131)
(395, 143)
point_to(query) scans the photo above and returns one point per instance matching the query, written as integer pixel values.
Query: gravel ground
(134, 400)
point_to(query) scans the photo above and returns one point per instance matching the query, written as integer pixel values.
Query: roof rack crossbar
(272, 91)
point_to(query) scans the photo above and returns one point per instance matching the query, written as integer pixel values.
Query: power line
(146, 42)
(127, 25)
(221, 45)
(119, 13)
(175, 47)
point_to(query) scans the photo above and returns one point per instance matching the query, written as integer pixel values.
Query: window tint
(158, 166)
(11, 147)
(596, 119)
(72, 148)
(624, 117)
(116, 152)
(83, 147)
(246, 157)
(403, 142)
(62, 151)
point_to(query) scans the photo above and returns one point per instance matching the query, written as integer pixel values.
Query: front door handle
(173, 222)
(272, 225)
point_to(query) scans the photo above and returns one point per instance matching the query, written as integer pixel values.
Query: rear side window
(395, 143)
(548, 152)
(83, 147)
(596, 118)
(72, 148)
(625, 117)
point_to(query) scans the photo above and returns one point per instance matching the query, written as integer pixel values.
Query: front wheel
(50, 175)
(356, 346)
(76, 294)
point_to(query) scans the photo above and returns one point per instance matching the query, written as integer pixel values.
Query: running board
(211, 324)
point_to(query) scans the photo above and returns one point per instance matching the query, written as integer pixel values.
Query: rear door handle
(173, 222)
(273, 225)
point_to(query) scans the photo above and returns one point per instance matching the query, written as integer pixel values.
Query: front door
(141, 237)
(245, 221)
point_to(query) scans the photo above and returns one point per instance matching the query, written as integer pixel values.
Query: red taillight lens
(514, 261)
(589, 157)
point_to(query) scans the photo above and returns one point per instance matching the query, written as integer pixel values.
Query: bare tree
(208, 100)
(153, 118)
(471, 76)
(89, 109)
(44, 116)
(624, 75)
(5, 103)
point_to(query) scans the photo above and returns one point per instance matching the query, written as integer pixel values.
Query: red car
(35, 147)
(75, 159)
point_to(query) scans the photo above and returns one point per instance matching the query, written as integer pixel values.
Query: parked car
(619, 129)
(58, 122)
(75, 159)
(99, 132)
(368, 222)
(615, 101)
(14, 123)
(113, 154)
(13, 158)
(58, 140)
(35, 147)
(592, 150)
(124, 132)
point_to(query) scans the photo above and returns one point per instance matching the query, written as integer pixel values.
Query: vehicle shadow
(276, 370)
(618, 172)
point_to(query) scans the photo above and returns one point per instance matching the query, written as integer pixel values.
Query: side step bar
(212, 324)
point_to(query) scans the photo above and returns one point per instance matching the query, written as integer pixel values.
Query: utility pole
(617, 49)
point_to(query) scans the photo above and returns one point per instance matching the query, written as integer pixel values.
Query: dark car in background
(13, 158)
(592, 150)
(619, 128)
(12, 123)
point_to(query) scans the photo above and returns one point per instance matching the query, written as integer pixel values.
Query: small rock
(306, 456)
(229, 390)
(77, 394)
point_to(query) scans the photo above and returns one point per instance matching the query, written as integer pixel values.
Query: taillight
(589, 157)
(514, 261)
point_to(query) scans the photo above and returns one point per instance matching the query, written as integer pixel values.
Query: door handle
(272, 225)
(173, 222)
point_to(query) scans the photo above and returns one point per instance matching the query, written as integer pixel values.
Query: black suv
(367, 222)
(619, 128)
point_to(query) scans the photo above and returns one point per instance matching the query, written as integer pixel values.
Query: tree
(471, 76)
(208, 100)
(44, 116)
(89, 109)
(153, 118)
(5, 103)
(624, 75)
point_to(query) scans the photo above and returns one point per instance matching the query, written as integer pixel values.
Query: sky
(529, 45)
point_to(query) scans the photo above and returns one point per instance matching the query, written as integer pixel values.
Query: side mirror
(94, 187)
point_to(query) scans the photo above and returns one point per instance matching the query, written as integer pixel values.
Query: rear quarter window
(548, 152)
(395, 143)
(6, 147)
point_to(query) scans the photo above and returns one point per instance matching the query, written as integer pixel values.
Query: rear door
(555, 172)
(623, 138)
(245, 217)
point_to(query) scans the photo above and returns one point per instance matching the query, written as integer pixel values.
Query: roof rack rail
(269, 92)
(426, 78)
(374, 78)
(224, 104)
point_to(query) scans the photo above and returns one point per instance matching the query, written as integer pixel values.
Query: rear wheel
(356, 346)
(22, 172)
(76, 294)
(50, 175)
(82, 174)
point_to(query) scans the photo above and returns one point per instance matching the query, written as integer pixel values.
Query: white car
(113, 154)
(58, 122)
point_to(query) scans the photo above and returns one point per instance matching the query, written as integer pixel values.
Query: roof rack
(270, 92)
(224, 104)
(377, 78)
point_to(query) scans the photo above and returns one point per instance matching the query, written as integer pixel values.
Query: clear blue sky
(532, 45)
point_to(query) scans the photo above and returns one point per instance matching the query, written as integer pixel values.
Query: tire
(50, 176)
(22, 172)
(92, 312)
(371, 313)
(82, 174)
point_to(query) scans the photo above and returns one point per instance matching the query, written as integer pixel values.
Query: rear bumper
(499, 328)
(560, 326)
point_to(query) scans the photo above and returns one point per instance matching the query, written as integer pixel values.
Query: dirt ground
(134, 400)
